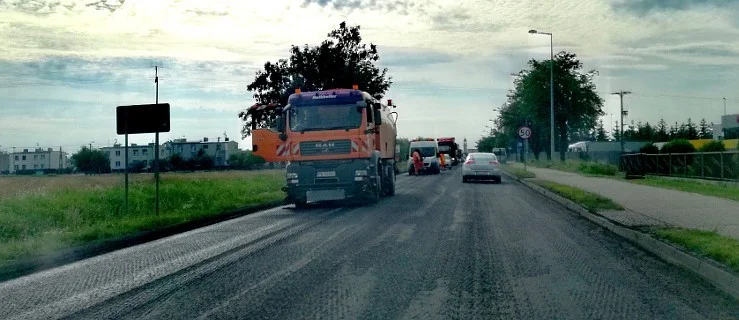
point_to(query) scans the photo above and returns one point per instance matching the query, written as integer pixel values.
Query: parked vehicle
(481, 166)
(340, 144)
(450, 147)
(501, 153)
(429, 151)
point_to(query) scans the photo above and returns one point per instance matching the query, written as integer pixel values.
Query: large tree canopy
(340, 61)
(577, 105)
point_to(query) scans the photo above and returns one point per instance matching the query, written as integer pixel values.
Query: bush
(678, 146)
(713, 146)
(598, 168)
(649, 148)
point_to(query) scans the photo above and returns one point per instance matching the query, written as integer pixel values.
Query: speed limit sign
(524, 132)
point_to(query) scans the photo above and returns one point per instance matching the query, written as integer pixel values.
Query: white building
(218, 150)
(38, 159)
(136, 153)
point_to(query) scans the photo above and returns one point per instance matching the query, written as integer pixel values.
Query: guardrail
(701, 165)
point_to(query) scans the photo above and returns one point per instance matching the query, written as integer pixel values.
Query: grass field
(721, 190)
(520, 173)
(39, 215)
(590, 201)
(707, 243)
(575, 166)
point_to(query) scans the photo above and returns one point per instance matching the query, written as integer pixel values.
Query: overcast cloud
(66, 64)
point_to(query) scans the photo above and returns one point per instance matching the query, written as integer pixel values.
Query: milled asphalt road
(439, 249)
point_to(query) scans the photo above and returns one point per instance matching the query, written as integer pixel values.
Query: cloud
(642, 7)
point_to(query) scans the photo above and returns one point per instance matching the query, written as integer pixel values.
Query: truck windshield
(324, 117)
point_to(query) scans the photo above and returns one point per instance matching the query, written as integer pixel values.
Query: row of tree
(660, 132)
(97, 162)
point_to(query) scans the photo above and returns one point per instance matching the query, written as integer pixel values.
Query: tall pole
(156, 141)
(723, 130)
(621, 124)
(551, 93)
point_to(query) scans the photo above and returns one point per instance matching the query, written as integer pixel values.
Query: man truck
(339, 144)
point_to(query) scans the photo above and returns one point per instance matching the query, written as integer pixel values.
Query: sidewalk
(652, 206)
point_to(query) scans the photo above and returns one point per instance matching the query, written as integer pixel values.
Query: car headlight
(360, 173)
(292, 175)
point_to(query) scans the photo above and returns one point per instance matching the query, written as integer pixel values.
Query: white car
(481, 166)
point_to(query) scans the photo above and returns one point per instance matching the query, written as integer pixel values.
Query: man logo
(325, 146)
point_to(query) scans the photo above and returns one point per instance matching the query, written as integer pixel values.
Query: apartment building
(4, 162)
(136, 153)
(38, 159)
(218, 150)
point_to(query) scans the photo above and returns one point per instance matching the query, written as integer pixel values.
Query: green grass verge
(706, 243)
(33, 225)
(720, 190)
(520, 173)
(575, 166)
(590, 201)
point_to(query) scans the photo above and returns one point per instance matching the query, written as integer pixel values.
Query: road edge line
(706, 269)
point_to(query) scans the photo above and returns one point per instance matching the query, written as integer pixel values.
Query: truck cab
(339, 144)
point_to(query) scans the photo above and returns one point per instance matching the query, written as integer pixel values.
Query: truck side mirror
(378, 117)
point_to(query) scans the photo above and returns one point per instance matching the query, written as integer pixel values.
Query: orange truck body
(335, 146)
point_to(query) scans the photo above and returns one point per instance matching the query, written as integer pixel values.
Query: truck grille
(316, 148)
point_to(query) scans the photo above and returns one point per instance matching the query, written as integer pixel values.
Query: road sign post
(524, 133)
(144, 118)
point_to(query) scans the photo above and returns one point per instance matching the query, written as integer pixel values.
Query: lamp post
(551, 87)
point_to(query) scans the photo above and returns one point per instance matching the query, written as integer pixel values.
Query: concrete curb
(716, 274)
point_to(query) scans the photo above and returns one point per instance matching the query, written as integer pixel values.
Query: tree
(201, 161)
(661, 134)
(675, 132)
(91, 161)
(691, 131)
(176, 162)
(340, 61)
(644, 132)
(577, 105)
(245, 160)
(405, 145)
(649, 148)
(678, 146)
(713, 146)
(600, 132)
(486, 144)
(617, 133)
(704, 130)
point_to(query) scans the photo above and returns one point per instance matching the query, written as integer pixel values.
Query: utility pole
(621, 124)
(723, 130)
(156, 141)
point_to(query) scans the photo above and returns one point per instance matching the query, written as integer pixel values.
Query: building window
(118, 164)
(218, 147)
(42, 166)
(16, 158)
(194, 148)
(205, 146)
(218, 159)
(43, 156)
(118, 152)
(135, 152)
(144, 152)
(35, 166)
(16, 167)
(35, 157)
(145, 163)
(24, 159)
(24, 166)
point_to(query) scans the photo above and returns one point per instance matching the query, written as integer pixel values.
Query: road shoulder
(717, 274)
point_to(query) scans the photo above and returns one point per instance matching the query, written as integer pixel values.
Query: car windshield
(427, 151)
(324, 117)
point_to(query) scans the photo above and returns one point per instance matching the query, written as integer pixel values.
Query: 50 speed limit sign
(524, 132)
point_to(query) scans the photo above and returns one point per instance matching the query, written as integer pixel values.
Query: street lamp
(551, 87)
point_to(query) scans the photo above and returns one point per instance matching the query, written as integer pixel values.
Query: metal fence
(702, 165)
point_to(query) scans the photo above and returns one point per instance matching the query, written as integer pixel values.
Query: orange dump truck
(340, 144)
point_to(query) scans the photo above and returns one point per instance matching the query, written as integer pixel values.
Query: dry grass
(11, 186)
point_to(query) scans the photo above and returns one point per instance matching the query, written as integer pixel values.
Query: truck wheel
(301, 204)
(390, 188)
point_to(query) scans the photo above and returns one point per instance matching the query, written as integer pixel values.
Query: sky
(66, 64)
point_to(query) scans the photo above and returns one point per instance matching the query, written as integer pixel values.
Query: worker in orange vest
(417, 161)
(443, 162)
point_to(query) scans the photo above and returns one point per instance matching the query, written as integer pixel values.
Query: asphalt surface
(439, 249)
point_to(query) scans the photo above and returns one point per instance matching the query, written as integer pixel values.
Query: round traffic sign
(524, 132)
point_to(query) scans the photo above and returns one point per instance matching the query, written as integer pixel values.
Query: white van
(429, 150)
(501, 154)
